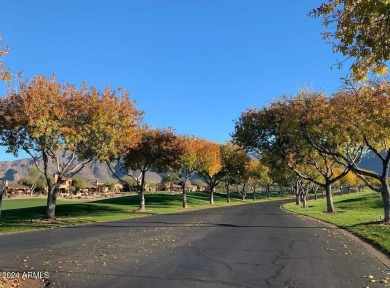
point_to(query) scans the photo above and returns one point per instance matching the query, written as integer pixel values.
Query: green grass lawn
(26, 214)
(359, 213)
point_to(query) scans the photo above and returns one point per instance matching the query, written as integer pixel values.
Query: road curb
(375, 251)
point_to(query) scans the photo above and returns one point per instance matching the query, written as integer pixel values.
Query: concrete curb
(381, 256)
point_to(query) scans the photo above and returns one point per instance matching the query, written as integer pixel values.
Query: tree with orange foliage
(210, 165)
(157, 149)
(5, 74)
(45, 118)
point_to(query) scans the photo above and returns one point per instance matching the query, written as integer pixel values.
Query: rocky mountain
(94, 171)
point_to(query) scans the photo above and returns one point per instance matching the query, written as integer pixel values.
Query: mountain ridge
(94, 171)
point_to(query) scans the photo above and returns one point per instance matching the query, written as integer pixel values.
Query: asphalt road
(254, 245)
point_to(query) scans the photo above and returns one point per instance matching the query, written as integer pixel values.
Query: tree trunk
(228, 193)
(212, 195)
(184, 199)
(32, 190)
(254, 193)
(329, 198)
(297, 199)
(141, 201)
(269, 190)
(294, 189)
(184, 194)
(51, 204)
(303, 199)
(243, 192)
(386, 199)
(141, 192)
(55, 194)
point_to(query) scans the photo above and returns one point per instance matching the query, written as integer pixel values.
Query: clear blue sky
(194, 65)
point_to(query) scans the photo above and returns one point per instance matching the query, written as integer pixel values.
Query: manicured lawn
(26, 214)
(359, 213)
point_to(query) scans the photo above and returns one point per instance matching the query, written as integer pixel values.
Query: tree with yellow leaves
(5, 74)
(359, 30)
(348, 181)
(210, 165)
(258, 175)
(190, 162)
(4, 71)
(282, 130)
(364, 113)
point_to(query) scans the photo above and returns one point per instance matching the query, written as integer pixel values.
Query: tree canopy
(45, 118)
(279, 130)
(360, 30)
(210, 165)
(156, 149)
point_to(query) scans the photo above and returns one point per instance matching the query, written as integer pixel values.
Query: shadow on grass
(65, 210)
(23, 213)
(362, 201)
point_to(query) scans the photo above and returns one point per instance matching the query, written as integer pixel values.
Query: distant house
(150, 187)
(10, 188)
(118, 187)
(169, 187)
(96, 187)
(177, 188)
(65, 185)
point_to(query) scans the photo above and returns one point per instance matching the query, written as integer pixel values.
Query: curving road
(254, 245)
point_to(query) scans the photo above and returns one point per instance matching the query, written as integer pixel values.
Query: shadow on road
(123, 224)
